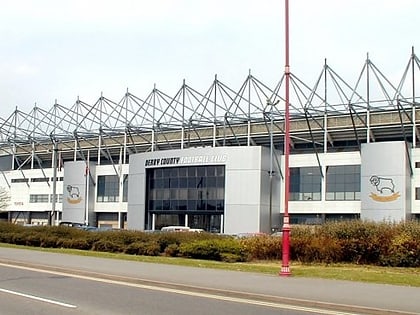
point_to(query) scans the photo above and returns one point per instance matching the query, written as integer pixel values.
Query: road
(34, 282)
(32, 292)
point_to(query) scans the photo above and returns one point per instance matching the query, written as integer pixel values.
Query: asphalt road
(31, 292)
(88, 285)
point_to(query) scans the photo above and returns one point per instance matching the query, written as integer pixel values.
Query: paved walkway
(388, 299)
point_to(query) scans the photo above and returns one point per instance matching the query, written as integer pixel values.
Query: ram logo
(73, 194)
(385, 189)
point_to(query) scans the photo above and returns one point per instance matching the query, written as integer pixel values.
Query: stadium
(214, 160)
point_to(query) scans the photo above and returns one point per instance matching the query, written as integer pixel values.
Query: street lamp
(285, 269)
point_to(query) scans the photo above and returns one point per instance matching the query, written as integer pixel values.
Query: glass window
(211, 181)
(169, 219)
(201, 171)
(174, 182)
(191, 171)
(183, 193)
(38, 198)
(40, 179)
(174, 194)
(185, 189)
(192, 194)
(159, 183)
(417, 193)
(59, 198)
(201, 182)
(183, 182)
(159, 193)
(108, 188)
(174, 172)
(343, 182)
(166, 172)
(20, 180)
(125, 188)
(211, 170)
(182, 172)
(158, 173)
(166, 182)
(305, 183)
(182, 204)
(192, 182)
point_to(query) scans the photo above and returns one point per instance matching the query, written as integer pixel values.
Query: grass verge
(361, 273)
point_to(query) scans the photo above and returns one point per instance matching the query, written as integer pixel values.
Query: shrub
(213, 249)
(149, 248)
(171, 250)
(106, 246)
(403, 252)
(49, 241)
(75, 243)
(361, 242)
(315, 249)
(262, 247)
(388, 244)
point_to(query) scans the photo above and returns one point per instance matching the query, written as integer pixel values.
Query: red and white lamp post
(285, 268)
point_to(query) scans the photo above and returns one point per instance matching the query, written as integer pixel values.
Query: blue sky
(64, 49)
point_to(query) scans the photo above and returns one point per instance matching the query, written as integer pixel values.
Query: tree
(4, 199)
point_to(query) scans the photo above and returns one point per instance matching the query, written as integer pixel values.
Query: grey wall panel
(243, 187)
(242, 219)
(384, 172)
(136, 199)
(136, 192)
(75, 194)
(92, 219)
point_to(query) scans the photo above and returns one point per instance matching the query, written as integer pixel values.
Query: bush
(49, 241)
(360, 242)
(387, 244)
(213, 249)
(315, 249)
(149, 248)
(404, 247)
(171, 250)
(107, 246)
(262, 247)
(75, 243)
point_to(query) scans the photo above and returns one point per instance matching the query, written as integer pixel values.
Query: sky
(56, 50)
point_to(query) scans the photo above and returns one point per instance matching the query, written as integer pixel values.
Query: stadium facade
(214, 160)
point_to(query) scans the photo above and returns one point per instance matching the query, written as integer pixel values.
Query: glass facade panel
(193, 190)
(343, 182)
(125, 188)
(59, 198)
(108, 188)
(169, 219)
(38, 198)
(417, 193)
(305, 183)
(207, 222)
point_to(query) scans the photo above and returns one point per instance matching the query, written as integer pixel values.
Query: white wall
(323, 206)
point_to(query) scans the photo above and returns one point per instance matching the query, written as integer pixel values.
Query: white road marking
(183, 292)
(33, 297)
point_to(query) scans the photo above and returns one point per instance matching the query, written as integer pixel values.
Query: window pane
(344, 180)
(189, 189)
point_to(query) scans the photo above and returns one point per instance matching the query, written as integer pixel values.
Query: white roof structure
(329, 115)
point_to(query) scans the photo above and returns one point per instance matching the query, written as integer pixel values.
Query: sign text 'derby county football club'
(184, 160)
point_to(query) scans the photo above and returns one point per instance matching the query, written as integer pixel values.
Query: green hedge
(359, 242)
